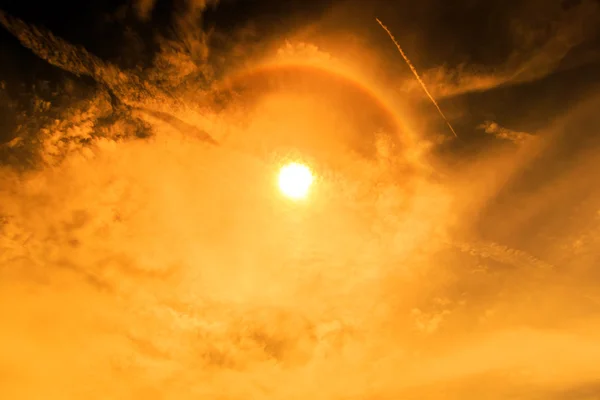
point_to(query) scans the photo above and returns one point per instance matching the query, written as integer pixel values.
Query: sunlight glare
(295, 180)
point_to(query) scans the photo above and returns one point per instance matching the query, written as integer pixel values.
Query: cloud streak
(541, 49)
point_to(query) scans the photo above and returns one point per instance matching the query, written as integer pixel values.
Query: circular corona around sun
(295, 180)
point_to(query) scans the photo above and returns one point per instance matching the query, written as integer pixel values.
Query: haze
(146, 251)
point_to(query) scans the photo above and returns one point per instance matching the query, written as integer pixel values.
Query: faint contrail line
(416, 74)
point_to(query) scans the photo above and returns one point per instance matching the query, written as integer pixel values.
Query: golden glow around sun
(295, 180)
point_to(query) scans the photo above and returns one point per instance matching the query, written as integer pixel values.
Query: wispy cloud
(496, 130)
(541, 47)
(163, 267)
(144, 8)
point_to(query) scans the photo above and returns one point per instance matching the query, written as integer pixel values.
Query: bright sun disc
(295, 180)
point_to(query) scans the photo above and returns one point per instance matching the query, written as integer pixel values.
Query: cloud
(144, 8)
(162, 266)
(493, 128)
(543, 37)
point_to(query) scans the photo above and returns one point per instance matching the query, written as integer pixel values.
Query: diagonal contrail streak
(416, 74)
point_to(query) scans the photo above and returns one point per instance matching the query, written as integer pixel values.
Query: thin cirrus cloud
(538, 51)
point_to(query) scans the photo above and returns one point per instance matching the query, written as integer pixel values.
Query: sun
(295, 180)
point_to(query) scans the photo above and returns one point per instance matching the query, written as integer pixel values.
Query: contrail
(415, 73)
